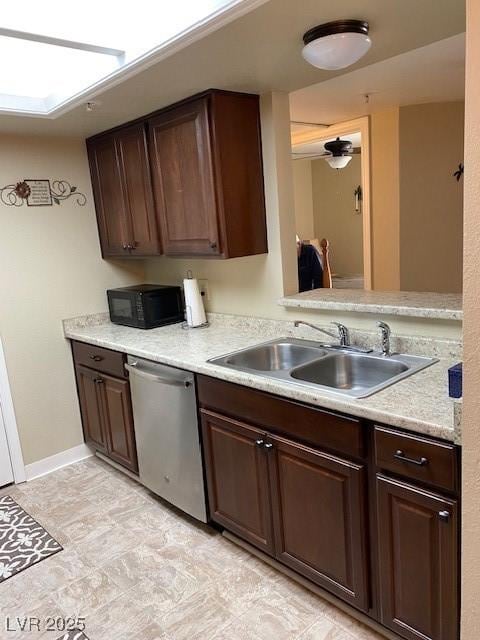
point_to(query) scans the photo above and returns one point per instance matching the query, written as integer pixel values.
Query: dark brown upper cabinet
(195, 190)
(122, 189)
(207, 176)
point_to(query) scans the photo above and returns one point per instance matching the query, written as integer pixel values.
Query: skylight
(53, 51)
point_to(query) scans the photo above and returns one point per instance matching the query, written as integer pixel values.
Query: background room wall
(431, 200)
(50, 269)
(334, 214)
(385, 199)
(303, 198)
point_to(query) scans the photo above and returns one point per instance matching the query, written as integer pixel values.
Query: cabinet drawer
(415, 457)
(100, 359)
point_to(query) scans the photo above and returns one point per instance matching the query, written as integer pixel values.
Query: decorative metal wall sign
(40, 193)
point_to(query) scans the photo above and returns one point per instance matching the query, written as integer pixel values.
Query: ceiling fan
(338, 153)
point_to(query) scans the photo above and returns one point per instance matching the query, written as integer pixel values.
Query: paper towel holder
(185, 324)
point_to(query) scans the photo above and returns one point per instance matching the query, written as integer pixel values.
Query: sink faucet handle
(344, 334)
(385, 332)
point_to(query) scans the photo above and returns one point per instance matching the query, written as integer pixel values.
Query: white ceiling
(258, 52)
(434, 73)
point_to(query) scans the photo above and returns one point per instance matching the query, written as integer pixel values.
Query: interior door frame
(343, 129)
(10, 422)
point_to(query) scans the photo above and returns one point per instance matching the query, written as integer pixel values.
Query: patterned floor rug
(74, 635)
(23, 542)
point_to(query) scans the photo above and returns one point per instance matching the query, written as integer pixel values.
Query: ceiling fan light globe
(336, 51)
(338, 162)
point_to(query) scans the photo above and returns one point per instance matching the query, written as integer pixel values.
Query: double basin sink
(308, 363)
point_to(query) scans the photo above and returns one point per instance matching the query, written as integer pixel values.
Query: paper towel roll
(193, 303)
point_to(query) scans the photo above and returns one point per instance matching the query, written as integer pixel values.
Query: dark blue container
(455, 375)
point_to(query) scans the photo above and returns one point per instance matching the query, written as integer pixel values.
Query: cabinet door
(183, 180)
(118, 422)
(90, 394)
(237, 478)
(137, 191)
(320, 524)
(109, 199)
(418, 561)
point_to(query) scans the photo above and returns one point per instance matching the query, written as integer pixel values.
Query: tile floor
(139, 570)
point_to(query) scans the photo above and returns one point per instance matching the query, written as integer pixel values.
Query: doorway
(306, 144)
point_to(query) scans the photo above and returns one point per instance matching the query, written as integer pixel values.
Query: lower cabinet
(319, 515)
(367, 512)
(237, 478)
(107, 418)
(417, 547)
(300, 505)
(90, 396)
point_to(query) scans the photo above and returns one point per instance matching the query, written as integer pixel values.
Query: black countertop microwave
(146, 306)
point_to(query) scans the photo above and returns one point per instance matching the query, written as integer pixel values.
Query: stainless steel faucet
(342, 331)
(385, 332)
(343, 336)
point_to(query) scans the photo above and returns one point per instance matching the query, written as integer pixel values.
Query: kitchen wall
(334, 214)
(471, 287)
(431, 200)
(303, 198)
(50, 269)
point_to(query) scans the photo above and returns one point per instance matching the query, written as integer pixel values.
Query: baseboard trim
(57, 461)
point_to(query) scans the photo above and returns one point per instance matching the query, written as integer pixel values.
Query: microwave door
(122, 309)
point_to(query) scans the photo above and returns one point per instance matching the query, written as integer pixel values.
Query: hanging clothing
(310, 272)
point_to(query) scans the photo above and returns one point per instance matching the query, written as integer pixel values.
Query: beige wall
(385, 200)
(471, 295)
(431, 200)
(334, 214)
(50, 269)
(303, 198)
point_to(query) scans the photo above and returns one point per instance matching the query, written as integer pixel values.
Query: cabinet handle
(98, 380)
(125, 247)
(96, 358)
(400, 455)
(268, 446)
(259, 443)
(213, 245)
(444, 515)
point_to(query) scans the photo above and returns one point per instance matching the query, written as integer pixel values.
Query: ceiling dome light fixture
(336, 45)
(339, 153)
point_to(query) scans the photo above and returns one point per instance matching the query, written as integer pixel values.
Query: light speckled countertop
(419, 403)
(446, 306)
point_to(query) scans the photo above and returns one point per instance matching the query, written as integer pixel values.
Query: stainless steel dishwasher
(166, 430)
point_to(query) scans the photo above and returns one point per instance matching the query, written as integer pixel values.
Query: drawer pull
(400, 455)
(444, 515)
(96, 358)
(259, 443)
(98, 380)
(268, 446)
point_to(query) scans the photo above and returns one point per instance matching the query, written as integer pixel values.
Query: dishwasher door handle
(133, 368)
